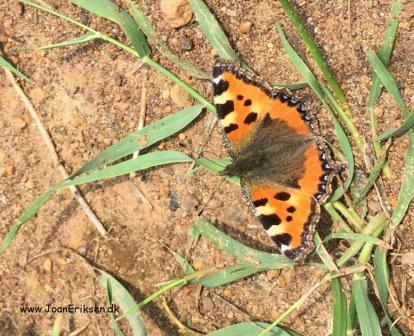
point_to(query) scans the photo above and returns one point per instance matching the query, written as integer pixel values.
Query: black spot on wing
(282, 196)
(220, 87)
(291, 209)
(260, 202)
(247, 102)
(269, 220)
(251, 117)
(230, 128)
(282, 239)
(224, 109)
(240, 97)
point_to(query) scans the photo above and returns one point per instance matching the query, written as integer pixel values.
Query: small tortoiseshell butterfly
(284, 167)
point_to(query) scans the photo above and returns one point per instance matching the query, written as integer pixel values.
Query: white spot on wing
(217, 80)
(284, 248)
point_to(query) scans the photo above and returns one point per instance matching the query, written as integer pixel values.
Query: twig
(48, 141)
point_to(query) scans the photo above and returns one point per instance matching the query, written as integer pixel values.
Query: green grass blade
(373, 176)
(152, 35)
(367, 317)
(249, 329)
(117, 292)
(90, 36)
(393, 132)
(185, 265)
(212, 30)
(7, 65)
(350, 236)
(387, 80)
(382, 279)
(385, 51)
(313, 48)
(253, 260)
(109, 10)
(27, 214)
(141, 162)
(406, 193)
(143, 138)
(339, 308)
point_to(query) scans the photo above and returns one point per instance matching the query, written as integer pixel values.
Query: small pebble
(245, 27)
(186, 43)
(47, 265)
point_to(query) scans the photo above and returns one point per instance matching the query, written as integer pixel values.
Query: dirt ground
(89, 97)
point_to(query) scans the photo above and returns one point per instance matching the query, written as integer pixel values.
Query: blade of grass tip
(393, 132)
(340, 314)
(367, 317)
(185, 265)
(27, 214)
(117, 292)
(109, 10)
(387, 80)
(79, 40)
(56, 325)
(313, 49)
(151, 34)
(382, 278)
(384, 55)
(406, 192)
(7, 65)
(145, 161)
(143, 138)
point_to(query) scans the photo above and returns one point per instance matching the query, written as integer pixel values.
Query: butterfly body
(282, 164)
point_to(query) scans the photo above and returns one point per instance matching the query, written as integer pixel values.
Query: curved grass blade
(116, 291)
(212, 30)
(367, 317)
(143, 138)
(109, 10)
(339, 308)
(152, 35)
(393, 132)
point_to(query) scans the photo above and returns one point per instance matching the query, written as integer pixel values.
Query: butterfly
(284, 167)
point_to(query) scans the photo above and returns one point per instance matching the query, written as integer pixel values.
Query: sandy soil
(89, 97)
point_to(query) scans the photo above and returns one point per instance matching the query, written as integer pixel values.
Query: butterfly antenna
(211, 197)
(219, 185)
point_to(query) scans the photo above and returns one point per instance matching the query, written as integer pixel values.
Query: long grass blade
(7, 65)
